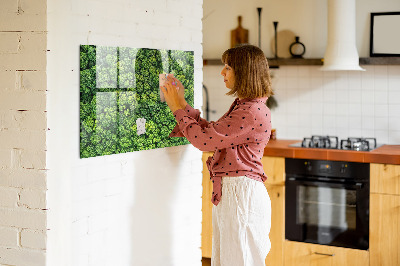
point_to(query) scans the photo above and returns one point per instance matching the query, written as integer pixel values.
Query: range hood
(341, 51)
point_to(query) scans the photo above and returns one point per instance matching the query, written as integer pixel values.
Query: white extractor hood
(341, 51)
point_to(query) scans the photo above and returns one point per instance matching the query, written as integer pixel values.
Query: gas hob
(332, 142)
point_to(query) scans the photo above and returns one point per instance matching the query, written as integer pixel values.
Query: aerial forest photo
(120, 107)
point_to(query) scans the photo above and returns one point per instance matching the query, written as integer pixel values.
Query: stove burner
(328, 142)
(332, 142)
(358, 144)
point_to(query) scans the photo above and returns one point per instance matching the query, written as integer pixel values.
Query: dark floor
(206, 261)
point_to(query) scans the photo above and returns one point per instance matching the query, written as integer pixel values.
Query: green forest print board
(120, 107)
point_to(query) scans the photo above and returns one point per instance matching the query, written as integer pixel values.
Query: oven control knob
(343, 168)
(308, 166)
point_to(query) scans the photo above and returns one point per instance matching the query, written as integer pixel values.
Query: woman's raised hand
(174, 93)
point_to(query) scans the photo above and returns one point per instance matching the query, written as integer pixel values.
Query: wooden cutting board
(239, 35)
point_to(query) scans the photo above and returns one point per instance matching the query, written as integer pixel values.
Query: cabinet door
(304, 254)
(274, 168)
(384, 230)
(277, 233)
(206, 226)
(385, 178)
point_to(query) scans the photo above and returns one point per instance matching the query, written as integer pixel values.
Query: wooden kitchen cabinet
(274, 168)
(385, 178)
(277, 233)
(206, 225)
(305, 254)
(385, 215)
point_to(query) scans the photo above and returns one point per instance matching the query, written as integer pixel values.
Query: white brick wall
(139, 208)
(23, 132)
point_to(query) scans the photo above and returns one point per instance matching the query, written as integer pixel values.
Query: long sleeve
(193, 113)
(231, 130)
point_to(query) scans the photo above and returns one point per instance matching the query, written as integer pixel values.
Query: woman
(242, 208)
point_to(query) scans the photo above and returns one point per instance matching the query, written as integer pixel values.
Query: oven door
(327, 213)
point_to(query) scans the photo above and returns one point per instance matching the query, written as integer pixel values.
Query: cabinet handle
(324, 254)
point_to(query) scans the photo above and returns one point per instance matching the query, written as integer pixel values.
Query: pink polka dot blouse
(238, 139)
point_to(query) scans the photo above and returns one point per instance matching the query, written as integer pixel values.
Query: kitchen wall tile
(342, 133)
(394, 137)
(329, 109)
(367, 96)
(329, 93)
(381, 110)
(342, 96)
(380, 71)
(304, 72)
(315, 72)
(329, 122)
(304, 108)
(316, 82)
(367, 81)
(393, 71)
(381, 84)
(293, 120)
(304, 82)
(355, 96)
(292, 82)
(317, 131)
(394, 123)
(342, 109)
(367, 110)
(381, 123)
(317, 108)
(381, 136)
(394, 110)
(394, 82)
(317, 121)
(355, 109)
(304, 131)
(291, 71)
(355, 132)
(278, 83)
(305, 95)
(354, 122)
(381, 97)
(394, 97)
(317, 95)
(328, 74)
(342, 122)
(354, 80)
(342, 80)
(367, 123)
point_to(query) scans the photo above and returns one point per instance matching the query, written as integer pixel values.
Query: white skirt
(241, 223)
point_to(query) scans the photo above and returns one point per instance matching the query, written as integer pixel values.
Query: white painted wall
(311, 102)
(306, 19)
(23, 133)
(139, 208)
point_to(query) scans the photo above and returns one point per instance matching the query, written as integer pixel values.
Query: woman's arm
(239, 127)
(174, 93)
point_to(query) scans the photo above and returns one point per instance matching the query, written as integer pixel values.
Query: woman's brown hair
(250, 66)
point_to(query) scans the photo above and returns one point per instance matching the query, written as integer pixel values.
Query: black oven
(327, 202)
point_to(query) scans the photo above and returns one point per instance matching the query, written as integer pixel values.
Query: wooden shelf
(273, 62)
(380, 61)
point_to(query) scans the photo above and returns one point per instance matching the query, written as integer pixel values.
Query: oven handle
(357, 185)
